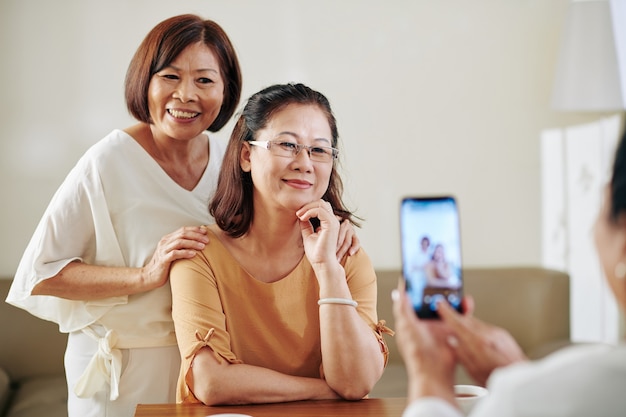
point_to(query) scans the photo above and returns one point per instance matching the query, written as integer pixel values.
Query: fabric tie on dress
(104, 368)
(379, 329)
(203, 341)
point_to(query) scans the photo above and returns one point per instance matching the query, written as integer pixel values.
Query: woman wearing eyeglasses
(267, 312)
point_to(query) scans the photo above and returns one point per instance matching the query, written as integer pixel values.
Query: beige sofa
(32, 378)
(531, 303)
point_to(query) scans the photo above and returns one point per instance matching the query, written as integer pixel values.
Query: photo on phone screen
(431, 252)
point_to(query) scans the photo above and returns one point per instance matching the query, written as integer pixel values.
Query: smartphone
(431, 253)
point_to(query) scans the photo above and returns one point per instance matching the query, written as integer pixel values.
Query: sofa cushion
(40, 396)
(5, 390)
(532, 303)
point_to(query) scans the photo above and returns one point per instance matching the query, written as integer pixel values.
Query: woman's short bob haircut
(232, 204)
(163, 44)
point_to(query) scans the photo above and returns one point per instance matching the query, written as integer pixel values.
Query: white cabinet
(576, 163)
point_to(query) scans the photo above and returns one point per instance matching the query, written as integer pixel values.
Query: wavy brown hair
(163, 44)
(232, 204)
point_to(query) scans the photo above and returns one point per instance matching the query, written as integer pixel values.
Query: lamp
(591, 69)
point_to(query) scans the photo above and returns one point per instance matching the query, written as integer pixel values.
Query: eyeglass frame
(267, 144)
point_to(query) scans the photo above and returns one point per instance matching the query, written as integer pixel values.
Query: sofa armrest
(30, 346)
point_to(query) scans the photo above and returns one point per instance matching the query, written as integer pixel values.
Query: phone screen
(431, 252)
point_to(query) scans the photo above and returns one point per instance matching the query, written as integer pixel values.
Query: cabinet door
(583, 156)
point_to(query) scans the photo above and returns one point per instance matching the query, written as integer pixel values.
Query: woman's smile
(182, 114)
(301, 184)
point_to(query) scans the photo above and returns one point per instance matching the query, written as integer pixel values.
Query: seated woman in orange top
(439, 272)
(266, 312)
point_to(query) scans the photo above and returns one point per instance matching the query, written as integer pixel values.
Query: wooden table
(375, 407)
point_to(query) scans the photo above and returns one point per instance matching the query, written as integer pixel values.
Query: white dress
(112, 210)
(579, 381)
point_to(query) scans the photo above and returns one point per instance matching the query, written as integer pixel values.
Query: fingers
(397, 293)
(345, 238)
(407, 331)
(189, 238)
(402, 307)
(323, 212)
(320, 240)
(466, 327)
(355, 243)
(449, 315)
(462, 327)
(182, 243)
(468, 305)
(398, 296)
(320, 209)
(422, 345)
(197, 233)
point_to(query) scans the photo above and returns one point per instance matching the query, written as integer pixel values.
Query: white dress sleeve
(75, 226)
(112, 210)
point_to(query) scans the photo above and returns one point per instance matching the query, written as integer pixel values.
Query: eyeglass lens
(290, 149)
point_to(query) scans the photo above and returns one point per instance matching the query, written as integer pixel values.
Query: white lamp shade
(591, 71)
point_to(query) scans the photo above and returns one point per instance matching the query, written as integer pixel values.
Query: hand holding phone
(431, 253)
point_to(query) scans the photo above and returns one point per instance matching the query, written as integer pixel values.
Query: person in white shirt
(584, 380)
(98, 262)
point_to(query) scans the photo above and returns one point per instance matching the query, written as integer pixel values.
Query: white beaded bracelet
(345, 301)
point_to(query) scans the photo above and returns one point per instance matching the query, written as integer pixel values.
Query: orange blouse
(216, 303)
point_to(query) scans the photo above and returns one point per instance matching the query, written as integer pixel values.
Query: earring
(620, 270)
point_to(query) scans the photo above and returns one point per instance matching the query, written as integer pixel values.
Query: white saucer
(229, 415)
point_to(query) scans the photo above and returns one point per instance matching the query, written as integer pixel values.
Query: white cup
(467, 396)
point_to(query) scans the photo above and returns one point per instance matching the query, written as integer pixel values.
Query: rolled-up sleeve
(199, 319)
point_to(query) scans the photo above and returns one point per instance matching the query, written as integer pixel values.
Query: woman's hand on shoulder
(347, 242)
(183, 243)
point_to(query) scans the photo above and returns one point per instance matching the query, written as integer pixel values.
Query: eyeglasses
(291, 150)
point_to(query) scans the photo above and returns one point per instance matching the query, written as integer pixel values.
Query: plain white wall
(431, 96)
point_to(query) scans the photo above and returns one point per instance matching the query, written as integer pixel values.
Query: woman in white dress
(99, 259)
